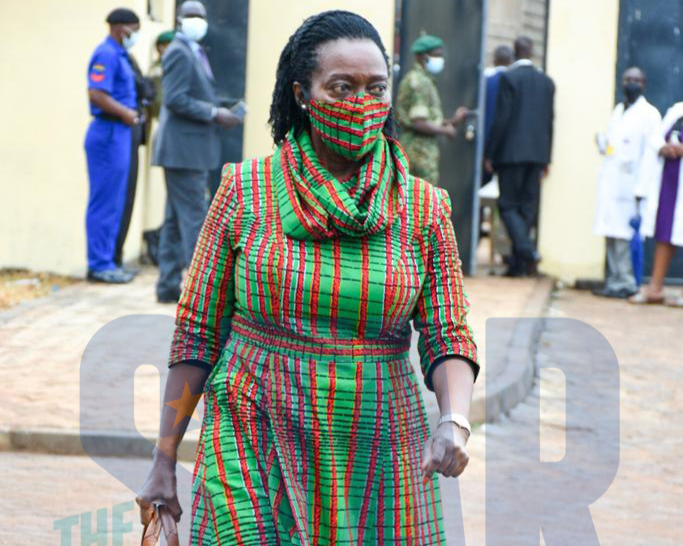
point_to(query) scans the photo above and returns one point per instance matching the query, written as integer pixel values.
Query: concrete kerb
(517, 379)
(510, 388)
(99, 443)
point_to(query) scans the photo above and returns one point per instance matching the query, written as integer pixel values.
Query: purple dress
(668, 195)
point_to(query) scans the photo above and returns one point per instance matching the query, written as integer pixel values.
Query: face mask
(130, 41)
(633, 91)
(350, 127)
(435, 65)
(194, 28)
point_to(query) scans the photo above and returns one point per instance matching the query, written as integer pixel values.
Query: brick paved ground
(642, 506)
(42, 343)
(41, 347)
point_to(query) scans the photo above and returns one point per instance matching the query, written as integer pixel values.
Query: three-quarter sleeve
(206, 304)
(441, 312)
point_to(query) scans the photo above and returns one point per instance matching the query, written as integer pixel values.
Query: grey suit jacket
(187, 138)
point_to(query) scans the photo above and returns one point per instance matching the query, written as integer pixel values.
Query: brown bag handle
(156, 518)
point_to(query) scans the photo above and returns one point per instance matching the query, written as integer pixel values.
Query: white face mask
(130, 41)
(194, 28)
(435, 65)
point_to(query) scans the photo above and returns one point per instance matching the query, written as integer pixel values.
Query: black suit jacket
(523, 126)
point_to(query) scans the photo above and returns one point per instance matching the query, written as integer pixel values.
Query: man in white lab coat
(624, 147)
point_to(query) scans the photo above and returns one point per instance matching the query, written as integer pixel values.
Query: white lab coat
(628, 135)
(650, 180)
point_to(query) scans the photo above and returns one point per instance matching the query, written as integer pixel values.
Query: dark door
(460, 23)
(226, 47)
(650, 37)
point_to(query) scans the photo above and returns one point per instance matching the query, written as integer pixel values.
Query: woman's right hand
(161, 486)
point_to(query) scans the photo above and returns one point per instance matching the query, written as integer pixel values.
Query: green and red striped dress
(300, 295)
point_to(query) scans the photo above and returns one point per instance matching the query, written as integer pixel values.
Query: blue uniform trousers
(108, 150)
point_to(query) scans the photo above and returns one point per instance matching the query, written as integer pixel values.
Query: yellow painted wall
(582, 57)
(271, 22)
(45, 48)
(43, 69)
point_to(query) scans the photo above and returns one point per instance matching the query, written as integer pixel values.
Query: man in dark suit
(503, 57)
(519, 149)
(187, 144)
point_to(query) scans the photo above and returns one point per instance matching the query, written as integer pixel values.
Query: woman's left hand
(445, 452)
(668, 151)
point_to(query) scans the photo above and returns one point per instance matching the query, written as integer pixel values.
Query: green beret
(165, 37)
(426, 43)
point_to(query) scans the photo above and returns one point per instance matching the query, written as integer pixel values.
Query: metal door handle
(471, 125)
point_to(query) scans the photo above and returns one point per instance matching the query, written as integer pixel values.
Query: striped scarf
(315, 205)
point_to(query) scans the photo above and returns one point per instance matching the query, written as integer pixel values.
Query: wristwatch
(458, 420)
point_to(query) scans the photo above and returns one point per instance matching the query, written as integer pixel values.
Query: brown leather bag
(156, 518)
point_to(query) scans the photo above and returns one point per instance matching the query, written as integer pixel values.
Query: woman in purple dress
(660, 184)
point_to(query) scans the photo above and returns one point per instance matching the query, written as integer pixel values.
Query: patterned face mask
(350, 127)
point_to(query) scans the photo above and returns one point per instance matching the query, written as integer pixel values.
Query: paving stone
(642, 506)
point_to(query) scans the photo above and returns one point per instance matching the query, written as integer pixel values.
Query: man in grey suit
(187, 144)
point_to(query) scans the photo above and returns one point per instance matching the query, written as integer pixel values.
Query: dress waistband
(282, 341)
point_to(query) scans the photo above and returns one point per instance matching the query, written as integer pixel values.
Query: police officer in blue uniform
(113, 104)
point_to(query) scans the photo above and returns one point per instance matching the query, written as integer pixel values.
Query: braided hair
(299, 59)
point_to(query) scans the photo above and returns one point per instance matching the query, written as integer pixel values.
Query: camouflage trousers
(424, 159)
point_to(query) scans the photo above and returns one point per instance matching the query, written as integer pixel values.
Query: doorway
(650, 37)
(226, 48)
(460, 23)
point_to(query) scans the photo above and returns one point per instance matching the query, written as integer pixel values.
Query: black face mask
(633, 91)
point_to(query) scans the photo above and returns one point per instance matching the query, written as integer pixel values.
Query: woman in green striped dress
(295, 323)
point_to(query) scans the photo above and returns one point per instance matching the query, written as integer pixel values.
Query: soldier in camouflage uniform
(419, 110)
(155, 72)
